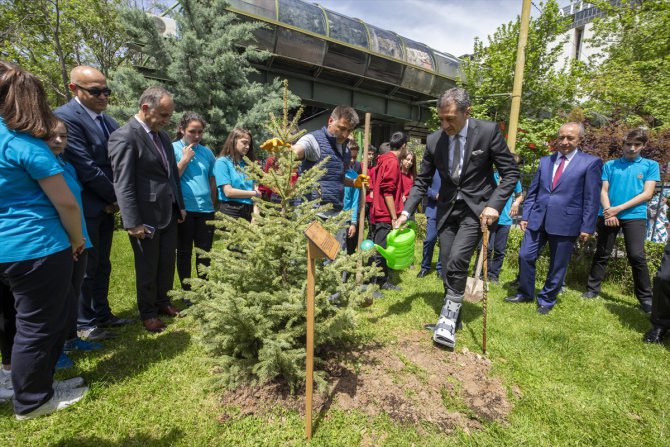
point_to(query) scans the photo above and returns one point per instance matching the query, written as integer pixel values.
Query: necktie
(559, 172)
(102, 126)
(159, 147)
(456, 159)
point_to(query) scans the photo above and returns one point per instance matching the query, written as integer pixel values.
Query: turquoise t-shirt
(505, 218)
(30, 227)
(195, 179)
(626, 180)
(70, 176)
(226, 173)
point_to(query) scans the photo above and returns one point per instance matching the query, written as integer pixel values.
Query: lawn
(584, 376)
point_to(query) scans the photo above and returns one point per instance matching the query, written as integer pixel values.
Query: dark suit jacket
(87, 151)
(146, 193)
(570, 208)
(485, 147)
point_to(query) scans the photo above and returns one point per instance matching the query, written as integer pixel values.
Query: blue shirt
(505, 218)
(70, 176)
(626, 179)
(195, 179)
(351, 197)
(30, 227)
(226, 173)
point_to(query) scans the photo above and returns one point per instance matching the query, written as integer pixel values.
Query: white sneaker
(74, 382)
(62, 398)
(6, 379)
(6, 394)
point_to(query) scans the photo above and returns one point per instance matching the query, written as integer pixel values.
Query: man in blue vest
(331, 141)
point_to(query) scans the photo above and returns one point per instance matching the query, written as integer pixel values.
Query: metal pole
(518, 76)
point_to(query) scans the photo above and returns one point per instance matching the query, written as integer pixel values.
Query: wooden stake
(312, 250)
(361, 198)
(485, 286)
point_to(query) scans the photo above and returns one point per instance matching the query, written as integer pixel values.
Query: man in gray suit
(146, 181)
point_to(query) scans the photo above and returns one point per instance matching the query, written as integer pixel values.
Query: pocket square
(477, 152)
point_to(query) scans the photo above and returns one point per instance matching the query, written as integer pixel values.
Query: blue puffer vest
(332, 182)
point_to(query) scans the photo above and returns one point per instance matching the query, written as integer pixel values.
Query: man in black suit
(88, 131)
(146, 181)
(463, 152)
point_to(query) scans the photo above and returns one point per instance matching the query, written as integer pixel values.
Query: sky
(449, 26)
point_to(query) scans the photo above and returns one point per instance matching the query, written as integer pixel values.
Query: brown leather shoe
(168, 310)
(153, 325)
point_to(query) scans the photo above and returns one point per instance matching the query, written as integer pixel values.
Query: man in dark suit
(562, 204)
(146, 181)
(88, 131)
(463, 152)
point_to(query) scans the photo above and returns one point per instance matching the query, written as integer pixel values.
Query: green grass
(584, 375)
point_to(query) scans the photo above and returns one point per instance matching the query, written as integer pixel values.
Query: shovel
(474, 287)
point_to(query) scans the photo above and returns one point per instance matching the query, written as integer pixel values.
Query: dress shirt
(94, 116)
(568, 157)
(462, 136)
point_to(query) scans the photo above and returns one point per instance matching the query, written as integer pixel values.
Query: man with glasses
(88, 131)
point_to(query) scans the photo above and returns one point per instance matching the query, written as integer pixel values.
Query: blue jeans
(497, 245)
(429, 245)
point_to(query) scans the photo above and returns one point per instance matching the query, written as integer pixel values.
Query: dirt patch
(410, 380)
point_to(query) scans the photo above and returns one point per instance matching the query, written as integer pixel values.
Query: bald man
(88, 131)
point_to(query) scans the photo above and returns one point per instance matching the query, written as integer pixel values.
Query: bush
(618, 270)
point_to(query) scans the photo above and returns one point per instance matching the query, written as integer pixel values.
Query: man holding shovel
(464, 152)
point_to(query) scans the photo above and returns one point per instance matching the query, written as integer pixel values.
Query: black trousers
(193, 231)
(378, 233)
(459, 236)
(634, 231)
(93, 299)
(237, 209)
(7, 323)
(660, 304)
(44, 303)
(154, 268)
(78, 273)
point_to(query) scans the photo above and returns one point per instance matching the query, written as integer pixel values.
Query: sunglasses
(95, 91)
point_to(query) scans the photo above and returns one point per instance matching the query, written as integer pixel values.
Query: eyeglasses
(95, 91)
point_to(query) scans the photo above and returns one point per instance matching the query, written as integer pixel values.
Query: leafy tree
(251, 309)
(630, 77)
(207, 66)
(546, 89)
(50, 37)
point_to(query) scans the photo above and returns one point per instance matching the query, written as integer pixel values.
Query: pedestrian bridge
(332, 59)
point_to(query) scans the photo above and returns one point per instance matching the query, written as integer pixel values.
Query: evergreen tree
(207, 66)
(251, 309)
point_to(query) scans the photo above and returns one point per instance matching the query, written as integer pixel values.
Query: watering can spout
(385, 252)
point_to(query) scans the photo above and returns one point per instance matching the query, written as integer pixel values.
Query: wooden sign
(323, 240)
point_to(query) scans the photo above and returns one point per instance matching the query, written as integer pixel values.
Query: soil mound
(410, 380)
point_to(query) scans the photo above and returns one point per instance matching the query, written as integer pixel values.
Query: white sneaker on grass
(62, 398)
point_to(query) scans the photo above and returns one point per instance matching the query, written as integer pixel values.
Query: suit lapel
(567, 170)
(549, 169)
(473, 131)
(442, 151)
(85, 118)
(148, 143)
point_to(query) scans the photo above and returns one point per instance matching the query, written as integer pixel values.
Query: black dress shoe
(422, 273)
(655, 335)
(543, 310)
(646, 307)
(115, 321)
(518, 299)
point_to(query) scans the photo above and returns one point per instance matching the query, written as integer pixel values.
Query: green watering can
(399, 251)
